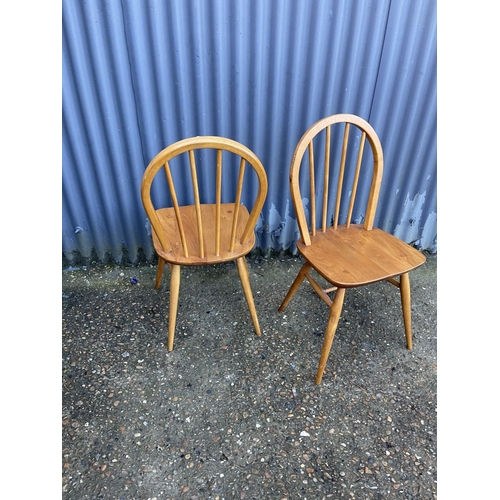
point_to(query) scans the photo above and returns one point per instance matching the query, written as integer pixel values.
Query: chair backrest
(350, 133)
(185, 152)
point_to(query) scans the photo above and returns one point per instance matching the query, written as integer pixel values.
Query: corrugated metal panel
(138, 76)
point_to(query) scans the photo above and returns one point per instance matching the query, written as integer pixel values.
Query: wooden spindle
(196, 194)
(326, 178)
(312, 189)
(218, 186)
(356, 178)
(176, 209)
(237, 202)
(341, 175)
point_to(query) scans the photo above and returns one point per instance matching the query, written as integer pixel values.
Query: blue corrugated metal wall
(139, 75)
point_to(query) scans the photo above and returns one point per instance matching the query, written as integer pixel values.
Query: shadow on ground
(229, 415)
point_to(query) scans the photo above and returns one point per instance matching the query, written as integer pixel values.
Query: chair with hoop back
(195, 222)
(338, 239)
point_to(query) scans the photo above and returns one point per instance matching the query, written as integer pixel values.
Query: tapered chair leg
(159, 271)
(295, 285)
(241, 264)
(404, 288)
(175, 281)
(333, 321)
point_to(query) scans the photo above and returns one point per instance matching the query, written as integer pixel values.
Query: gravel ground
(229, 415)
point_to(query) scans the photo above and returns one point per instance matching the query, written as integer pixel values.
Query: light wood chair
(333, 241)
(194, 225)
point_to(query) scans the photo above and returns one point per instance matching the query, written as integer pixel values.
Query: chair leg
(333, 321)
(406, 303)
(175, 281)
(295, 285)
(159, 271)
(241, 264)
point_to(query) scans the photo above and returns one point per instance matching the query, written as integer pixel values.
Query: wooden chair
(196, 226)
(345, 252)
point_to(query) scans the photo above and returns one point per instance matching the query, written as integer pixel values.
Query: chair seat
(189, 223)
(358, 256)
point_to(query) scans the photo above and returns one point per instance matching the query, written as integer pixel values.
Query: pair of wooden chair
(197, 226)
